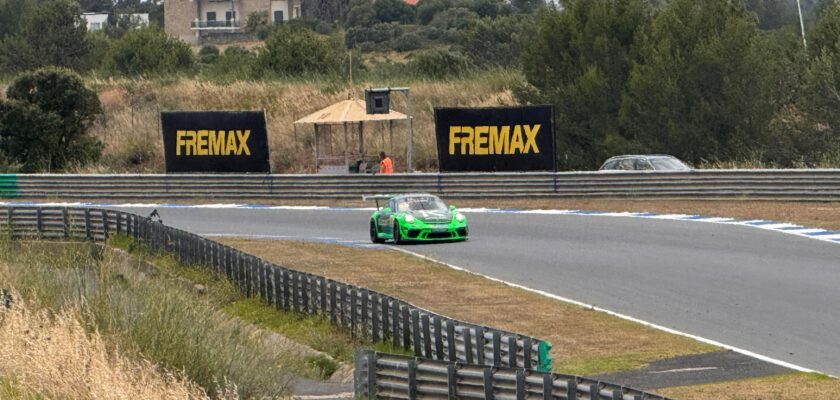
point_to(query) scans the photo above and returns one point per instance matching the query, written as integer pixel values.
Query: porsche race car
(415, 217)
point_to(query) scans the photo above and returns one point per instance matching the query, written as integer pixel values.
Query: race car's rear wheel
(374, 237)
(397, 235)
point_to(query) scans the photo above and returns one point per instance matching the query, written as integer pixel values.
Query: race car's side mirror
(451, 207)
(386, 210)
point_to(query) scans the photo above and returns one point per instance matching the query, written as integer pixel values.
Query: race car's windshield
(421, 204)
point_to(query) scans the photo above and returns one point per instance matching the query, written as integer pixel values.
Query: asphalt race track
(773, 294)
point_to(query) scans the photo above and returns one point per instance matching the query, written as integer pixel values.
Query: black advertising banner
(215, 141)
(495, 139)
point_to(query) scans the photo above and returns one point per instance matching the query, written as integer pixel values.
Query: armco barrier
(387, 376)
(821, 185)
(374, 316)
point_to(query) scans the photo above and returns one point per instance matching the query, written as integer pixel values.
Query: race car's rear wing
(377, 197)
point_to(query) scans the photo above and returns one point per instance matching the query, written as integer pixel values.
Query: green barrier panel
(545, 359)
(8, 186)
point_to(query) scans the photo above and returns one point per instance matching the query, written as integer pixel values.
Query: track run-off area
(751, 286)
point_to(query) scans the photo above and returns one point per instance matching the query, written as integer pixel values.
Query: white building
(97, 21)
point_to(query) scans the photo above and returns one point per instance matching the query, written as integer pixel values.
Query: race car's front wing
(434, 233)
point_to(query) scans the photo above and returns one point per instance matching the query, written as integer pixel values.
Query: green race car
(415, 217)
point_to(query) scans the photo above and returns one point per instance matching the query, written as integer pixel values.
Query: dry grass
(779, 387)
(585, 342)
(55, 357)
(131, 132)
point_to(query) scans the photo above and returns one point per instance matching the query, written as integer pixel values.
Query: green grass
(151, 317)
(11, 389)
(585, 366)
(311, 330)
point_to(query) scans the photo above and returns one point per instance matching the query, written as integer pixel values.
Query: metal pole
(409, 152)
(801, 24)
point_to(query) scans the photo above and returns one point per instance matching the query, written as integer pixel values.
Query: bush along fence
(388, 376)
(366, 313)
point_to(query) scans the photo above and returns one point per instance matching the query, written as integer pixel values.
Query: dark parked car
(644, 163)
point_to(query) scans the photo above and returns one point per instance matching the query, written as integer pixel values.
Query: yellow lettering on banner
(453, 138)
(201, 145)
(231, 143)
(516, 140)
(481, 138)
(191, 144)
(531, 138)
(468, 140)
(499, 139)
(217, 142)
(243, 143)
(179, 141)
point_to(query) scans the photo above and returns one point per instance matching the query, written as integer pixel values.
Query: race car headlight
(409, 219)
(460, 217)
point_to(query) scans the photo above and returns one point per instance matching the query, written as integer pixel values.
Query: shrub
(361, 14)
(51, 33)
(427, 9)
(44, 123)
(149, 51)
(290, 51)
(236, 63)
(439, 64)
(454, 18)
(497, 42)
(394, 11)
(407, 42)
(378, 33)
(208, 54)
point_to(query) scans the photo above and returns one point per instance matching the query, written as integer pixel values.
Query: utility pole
(801, 24)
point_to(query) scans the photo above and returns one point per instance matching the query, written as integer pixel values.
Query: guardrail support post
(371, 374)
(526, 352)
(333, 293)
(427, 336)
(374, 318)
(468, 353)
(450, 341)
(452, 381)
(521, 394)
(364, 312)
(353, 312)
(497, 349)
(488, 383)
(548, 387)
(438, 338)
(9, 221)
(513, 352)
(105, 224)
(385, 302)
(415, 330)
(412, 379)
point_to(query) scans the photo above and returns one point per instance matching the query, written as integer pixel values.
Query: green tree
(149, 51)
(427, 9)
(579, 61)
(699, 88)
(297, 51)
(498, 42)
(394, 11)
(52, 33)
(361, 13)
(44, 122)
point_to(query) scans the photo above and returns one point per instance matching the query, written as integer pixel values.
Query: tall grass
(130, 127)
(149, 317)
(53, 355)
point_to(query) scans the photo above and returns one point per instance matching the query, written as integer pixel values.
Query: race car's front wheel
(397, 236)
(374, 237)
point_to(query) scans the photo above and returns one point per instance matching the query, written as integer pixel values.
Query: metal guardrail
(387, 376)
(817, 185)
(365, 313)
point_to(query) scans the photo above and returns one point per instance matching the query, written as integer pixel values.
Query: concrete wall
(177, 16)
